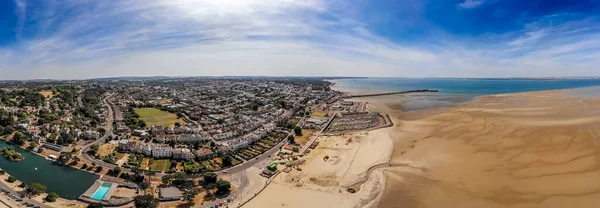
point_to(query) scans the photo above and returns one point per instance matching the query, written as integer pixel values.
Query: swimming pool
(101, 192)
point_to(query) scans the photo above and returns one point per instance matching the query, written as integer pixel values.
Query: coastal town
(166, 141)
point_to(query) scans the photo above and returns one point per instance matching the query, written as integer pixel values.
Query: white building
(91, 135)
(162, 151)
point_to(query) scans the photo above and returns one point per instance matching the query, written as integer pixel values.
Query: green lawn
(153, 116)
(319, 115)
(161, 165)
(120, 155)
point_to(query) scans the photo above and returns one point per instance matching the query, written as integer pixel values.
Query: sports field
(105, 149)
(153, 116)
(48, 94)
(161, 165)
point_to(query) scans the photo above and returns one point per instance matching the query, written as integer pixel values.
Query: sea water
(457, 90)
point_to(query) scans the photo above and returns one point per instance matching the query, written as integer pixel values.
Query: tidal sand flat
(536, 149)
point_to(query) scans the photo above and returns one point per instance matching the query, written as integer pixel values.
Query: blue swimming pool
(101, 192)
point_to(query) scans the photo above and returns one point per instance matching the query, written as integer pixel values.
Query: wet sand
(537, 149)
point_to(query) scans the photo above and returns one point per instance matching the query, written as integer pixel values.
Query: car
(225, 171)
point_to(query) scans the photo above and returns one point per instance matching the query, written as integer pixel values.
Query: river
(67, 182)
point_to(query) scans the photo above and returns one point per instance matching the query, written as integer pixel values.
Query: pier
(386, 93)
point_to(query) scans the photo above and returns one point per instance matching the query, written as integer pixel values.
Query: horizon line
(290, 76)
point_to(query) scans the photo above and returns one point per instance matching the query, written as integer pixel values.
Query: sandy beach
(535, 149)
(324, 183)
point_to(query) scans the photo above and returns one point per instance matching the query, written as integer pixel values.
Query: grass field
(153, 116)
(120, 156)
(47, 94)
(144, 164)
(161, 165)
(306, 134)
(179, 166)
(165, 101)
(105, 149)
(319, 115)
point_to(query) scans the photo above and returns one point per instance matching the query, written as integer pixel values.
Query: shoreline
(73, 201)
(472, 146)
(406, 142)
(38, 200)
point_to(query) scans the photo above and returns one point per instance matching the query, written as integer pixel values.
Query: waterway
(67, 182)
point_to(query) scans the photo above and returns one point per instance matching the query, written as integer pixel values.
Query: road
(236, 173)
(25, 200)
(109, 132)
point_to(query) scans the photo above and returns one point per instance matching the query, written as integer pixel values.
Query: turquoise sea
(457, 90)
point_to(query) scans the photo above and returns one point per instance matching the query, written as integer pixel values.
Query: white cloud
(21, 11)
(468, 4)
(528, 38)
(277, 38)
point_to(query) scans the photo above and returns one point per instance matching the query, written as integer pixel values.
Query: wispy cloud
(82, 39)
(469, 4)
(21, 11)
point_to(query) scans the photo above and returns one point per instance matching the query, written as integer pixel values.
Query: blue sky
(76, 39)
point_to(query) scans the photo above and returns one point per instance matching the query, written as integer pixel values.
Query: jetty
(386, 93)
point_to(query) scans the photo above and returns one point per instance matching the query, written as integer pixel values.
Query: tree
(19, 138)
(223, 186)
(84, 166)
(99, 169)
(227, 161)
(32, 145)
(180, 176)
(210, 178)
(51, 197)
(145, 201)
(95, 205)
(298, 131)
(177, 124)
(102, 131)
(116, 170)
(11, 179)
(166, 179)
(189, 196)
(144, 185)
(291, 139)
(36, 189)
